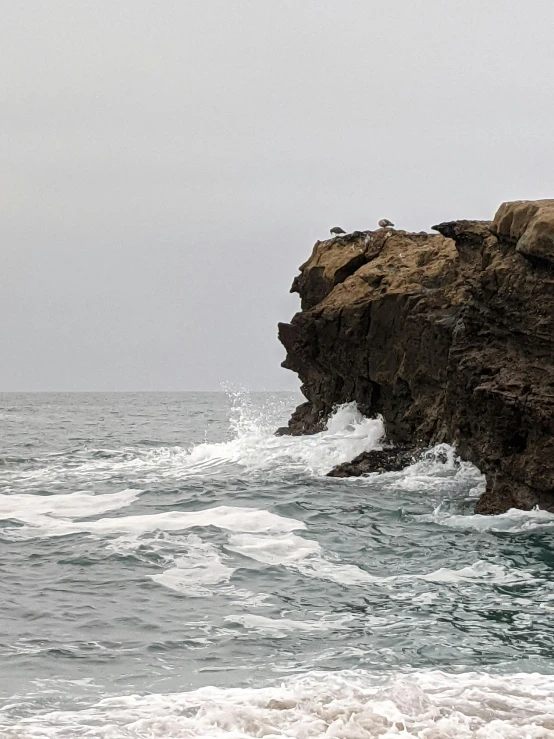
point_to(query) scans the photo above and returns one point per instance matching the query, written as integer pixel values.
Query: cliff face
(449, 336)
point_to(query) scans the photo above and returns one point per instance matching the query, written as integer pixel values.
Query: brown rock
(449, 336)
(529, 224)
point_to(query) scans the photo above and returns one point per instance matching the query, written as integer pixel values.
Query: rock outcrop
(391, 459)
(449, 336)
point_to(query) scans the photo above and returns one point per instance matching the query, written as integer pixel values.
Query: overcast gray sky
(166, 166)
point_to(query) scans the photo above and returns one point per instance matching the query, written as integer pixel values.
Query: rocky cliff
(449, 336)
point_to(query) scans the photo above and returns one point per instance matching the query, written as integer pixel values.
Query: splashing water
(253, 445)
(256, 447)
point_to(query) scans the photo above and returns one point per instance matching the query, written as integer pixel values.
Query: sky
(167, 166)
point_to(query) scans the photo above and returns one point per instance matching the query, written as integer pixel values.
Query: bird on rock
(337, 231)
(385, 223)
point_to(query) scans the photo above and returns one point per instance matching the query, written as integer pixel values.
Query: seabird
(337, 231)
(385, 223)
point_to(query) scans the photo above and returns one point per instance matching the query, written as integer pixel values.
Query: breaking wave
(253, 447)
(343, 705)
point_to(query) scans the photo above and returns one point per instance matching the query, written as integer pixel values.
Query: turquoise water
(170, 568)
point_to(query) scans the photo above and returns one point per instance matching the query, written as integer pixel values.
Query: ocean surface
(170, 568)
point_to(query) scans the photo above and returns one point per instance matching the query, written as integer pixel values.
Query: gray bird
(337, 231)
(385, 223)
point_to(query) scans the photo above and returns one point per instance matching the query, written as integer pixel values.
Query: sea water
(171, 568)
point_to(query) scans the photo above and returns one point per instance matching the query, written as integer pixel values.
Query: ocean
(170, 568)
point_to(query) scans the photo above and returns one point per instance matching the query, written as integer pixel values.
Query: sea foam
(343, 705)
(513, 521)
(302, 555)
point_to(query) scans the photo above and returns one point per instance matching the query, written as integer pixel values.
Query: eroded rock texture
(391, 459)
(449, 336)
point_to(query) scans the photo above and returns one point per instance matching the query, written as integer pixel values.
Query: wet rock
(392, 459)
(449, 336)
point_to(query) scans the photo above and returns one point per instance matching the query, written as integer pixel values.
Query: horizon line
(83, 392)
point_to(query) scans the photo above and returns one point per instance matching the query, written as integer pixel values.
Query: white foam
(38, 510)
(436, 468)
(343, 705)
(280, 627)
(303, 555)
(258, 534)
(256, 447)
(479, 571)
(51, 521)
(192, 567)
(306, 557)
(513, 521)
(196, 572)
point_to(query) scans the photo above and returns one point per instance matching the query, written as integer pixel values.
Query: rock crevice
(449, 336)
